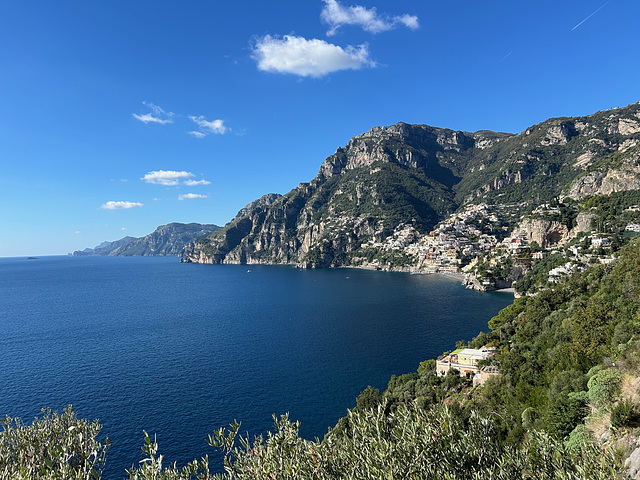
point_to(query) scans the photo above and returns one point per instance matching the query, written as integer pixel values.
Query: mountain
(416, 175)
(105, 248)
(166, 240)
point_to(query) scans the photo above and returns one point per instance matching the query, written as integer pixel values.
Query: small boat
(248, 271)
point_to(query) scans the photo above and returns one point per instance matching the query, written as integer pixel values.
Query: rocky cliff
(105, 248)
(616, 173)
(166, 240)
(417, 174)
(387, 176)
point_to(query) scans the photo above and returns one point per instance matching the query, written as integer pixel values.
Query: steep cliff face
(166, 240)
(324, 222)
(417, 174)
(387, 176)
(548, 233)
(263, 201)
(545, 233)
(105, 248)
(545, 159)
(441, 152)
(620, 173)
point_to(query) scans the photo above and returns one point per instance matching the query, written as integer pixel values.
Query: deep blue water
(179, 350)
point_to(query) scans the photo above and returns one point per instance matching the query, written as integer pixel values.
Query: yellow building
(465, 360)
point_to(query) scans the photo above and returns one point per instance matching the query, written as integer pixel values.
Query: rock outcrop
(489, 284)
(549, 233)
(546, 233)
(606, 182)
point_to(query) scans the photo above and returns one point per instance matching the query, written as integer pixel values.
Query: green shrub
(564, 415)
(56, 446)
(603, 386)
(579, 439)
(622, 414)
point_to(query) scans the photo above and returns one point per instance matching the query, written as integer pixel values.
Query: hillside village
(496, 246)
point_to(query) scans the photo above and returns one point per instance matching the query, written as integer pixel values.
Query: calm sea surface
(182, 349)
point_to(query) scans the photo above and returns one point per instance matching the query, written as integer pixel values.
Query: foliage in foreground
(56, 446)
(410, 442)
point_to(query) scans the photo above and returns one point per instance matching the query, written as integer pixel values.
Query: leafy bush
(579, 439)
(564, 415)
(622, 414)
(56, 446)
(407, 443)
(603, 386)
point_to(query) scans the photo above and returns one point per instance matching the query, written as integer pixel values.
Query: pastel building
(465, 360)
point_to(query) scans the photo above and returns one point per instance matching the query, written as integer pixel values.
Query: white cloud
(308, 58)
(157, 115)
(193, 183)
(123, 228)
(171, 178)
(336, 15)
(121, 205)
(166, 177)
(206, 127)
(78, 232)
(188, 196)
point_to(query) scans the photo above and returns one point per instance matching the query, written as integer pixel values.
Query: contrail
(607, 3)
(505, 57)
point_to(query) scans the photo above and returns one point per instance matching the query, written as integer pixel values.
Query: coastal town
(491, 247)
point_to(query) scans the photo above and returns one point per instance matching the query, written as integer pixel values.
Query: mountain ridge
(419, 174)
(166, 240)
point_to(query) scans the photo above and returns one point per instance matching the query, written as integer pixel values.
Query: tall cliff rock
(417, 174)
(105, 248)
(166, 240)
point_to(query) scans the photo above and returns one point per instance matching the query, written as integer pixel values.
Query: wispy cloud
(308, 58)
(336, 15)
(193, 183)
(189, 196)
(589, 16)
(166, 177)
(121, 205)
(157, 115)
(171, 178)
(214, 126)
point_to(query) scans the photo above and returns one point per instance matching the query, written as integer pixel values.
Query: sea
(180, 350)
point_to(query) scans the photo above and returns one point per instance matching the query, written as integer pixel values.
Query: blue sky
(119, 116)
